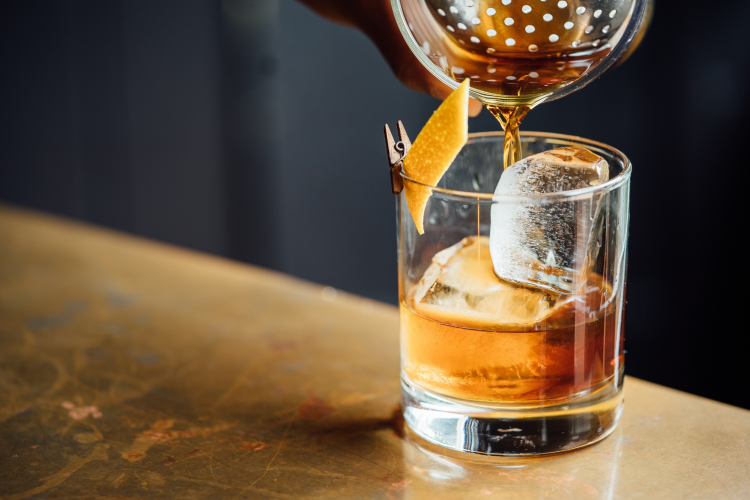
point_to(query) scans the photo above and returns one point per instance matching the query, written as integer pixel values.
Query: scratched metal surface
(130, 369)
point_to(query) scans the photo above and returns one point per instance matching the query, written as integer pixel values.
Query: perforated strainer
(515, 27)
(519, 52)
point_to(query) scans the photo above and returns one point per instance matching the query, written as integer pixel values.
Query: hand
(375, 19)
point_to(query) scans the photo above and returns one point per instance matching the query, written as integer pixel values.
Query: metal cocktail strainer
(520, 26)
(510, 49)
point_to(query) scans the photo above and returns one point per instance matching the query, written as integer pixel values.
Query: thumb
(439, 90)
(475, 107)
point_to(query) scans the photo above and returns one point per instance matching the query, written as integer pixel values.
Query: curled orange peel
(434, 150)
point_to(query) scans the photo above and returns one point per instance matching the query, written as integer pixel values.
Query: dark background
(253, 129)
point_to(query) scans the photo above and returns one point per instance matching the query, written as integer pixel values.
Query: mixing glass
(519, 53)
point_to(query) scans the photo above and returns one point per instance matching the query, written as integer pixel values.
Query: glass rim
(571, 195)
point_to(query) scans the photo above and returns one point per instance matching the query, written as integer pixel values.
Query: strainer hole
(568, 25)
(491, 11)
(491, 33)
(597, 13)
(530, 29)
(510, 42)
(533, 48)
(508, 21)
(580, 10)
(547, 17)
(526, 9)
(553, 38)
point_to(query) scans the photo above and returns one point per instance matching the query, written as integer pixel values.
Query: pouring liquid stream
(510, 119)
(511, 99)
(528, 83)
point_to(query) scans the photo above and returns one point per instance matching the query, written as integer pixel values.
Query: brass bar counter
(133, 369)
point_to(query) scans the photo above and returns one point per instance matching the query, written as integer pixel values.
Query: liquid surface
(468, 335)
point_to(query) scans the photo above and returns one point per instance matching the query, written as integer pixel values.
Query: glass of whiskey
(523, 366)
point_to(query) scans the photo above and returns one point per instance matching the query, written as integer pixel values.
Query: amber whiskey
(466, 334)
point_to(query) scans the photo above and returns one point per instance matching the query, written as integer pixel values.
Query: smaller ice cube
(460, 287)
(547, 245)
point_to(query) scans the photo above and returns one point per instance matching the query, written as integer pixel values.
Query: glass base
(512, 430)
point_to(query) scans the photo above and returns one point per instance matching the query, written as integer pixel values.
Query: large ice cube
(543, 244)
(460, 287)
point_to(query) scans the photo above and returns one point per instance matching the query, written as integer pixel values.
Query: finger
(475, 107)
(439, 90)
(380, 26)
(404, 64)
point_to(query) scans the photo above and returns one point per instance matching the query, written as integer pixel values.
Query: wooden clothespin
(396, 153)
